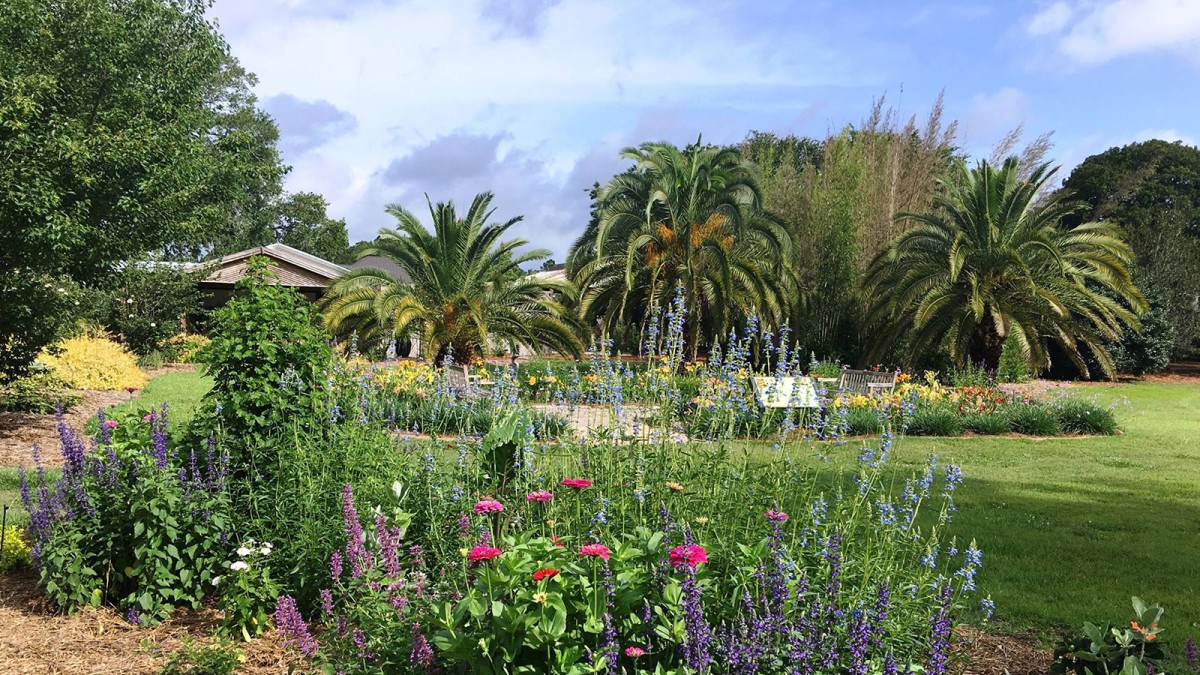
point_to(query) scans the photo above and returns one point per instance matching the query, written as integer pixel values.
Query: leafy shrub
(199, 658)
(14, 549)
(1128, 651)
(185, 347)
(862, 421)
(247, 590)
(1014, 367)
(1078, 416)
(1032, 419)
(970, 376)
(131, 522)
(93, 361)
(987, 423)
(267, 359)
(39, 393)
(1149, 350)
(145, 302)
(39, 311)
(935, 421)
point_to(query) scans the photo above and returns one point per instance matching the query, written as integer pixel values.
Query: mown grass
(1071, 528)
(181, 391)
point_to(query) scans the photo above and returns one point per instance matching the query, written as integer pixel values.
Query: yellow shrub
(183, 347)
(92, 361)
(15, 553)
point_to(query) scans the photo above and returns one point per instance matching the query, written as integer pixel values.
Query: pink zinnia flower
(149, 417)
(488, 506)
(481, 553)
(110, 424)
(596, 550)
(577, 483)
(689, 554)
(539, 496)
(634, 652)
(776, 516)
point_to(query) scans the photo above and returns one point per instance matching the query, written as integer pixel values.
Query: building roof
(382, 263)
(293, 266)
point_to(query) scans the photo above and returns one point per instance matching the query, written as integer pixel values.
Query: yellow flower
(532, 380)
(674, 486)
(540, 598)
(464, 551)
(701, 520)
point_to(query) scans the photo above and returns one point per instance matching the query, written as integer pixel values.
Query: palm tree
(990, 262)
(467, 287)
(690, 219)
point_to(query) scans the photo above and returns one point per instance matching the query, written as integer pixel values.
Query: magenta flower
(488, 506)
(634, 652)
(577, 483)
(595, 550)
(776, 516)
(110, 424)
(542, 496)
(688, 554)
(482, 553)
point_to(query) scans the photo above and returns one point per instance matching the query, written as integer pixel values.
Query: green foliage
(862, 422)
(247, 591)
(1078, 416)
(1148, 350)
(467, 288)
(987, 423)
(182, 392)
(970, 375)
(146, 303)
(40, 393)
(102, 161)
(1109, 649)
(267, 359)
(688, 218)
(203, 658)
(304, 224)
(951, 280)
(1033, 419)
(1014, 367)
(131, 523)
(935, 421)
(1152, 190)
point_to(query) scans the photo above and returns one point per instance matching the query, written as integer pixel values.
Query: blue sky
(380, 102)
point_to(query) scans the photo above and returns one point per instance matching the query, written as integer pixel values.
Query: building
(306, 273)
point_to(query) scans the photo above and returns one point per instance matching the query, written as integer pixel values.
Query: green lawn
(1072, 527)
(181, 391)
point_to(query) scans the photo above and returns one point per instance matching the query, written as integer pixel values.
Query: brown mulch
(99, 642)
(20, 431)
(993, 654)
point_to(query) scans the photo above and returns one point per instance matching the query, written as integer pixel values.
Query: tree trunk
(986, 345)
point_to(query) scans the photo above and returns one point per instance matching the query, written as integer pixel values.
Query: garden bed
(33, 639)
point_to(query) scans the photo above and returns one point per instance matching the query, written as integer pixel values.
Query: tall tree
(467, 288)
(117, 129)
(304, 224)
(987, 262)
(1152, 190)
(689, 218)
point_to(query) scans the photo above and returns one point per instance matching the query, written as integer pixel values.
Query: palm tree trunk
(986, 345)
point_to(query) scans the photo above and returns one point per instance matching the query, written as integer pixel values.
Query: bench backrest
(860, 381)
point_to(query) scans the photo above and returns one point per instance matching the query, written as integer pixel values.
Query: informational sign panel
(786, 392)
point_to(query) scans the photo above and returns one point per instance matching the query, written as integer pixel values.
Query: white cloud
(1090, 33)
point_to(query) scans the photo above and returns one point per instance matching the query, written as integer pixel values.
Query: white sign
(786, 392)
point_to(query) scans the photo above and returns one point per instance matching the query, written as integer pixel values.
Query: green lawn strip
(180, 391)
(1071, 528)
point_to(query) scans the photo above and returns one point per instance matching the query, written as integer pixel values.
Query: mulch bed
(33, 639)
(20, 431)
(991, 654)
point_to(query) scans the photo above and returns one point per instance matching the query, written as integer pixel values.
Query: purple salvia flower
(327, 602)
(610, 649)
(132, 617)
(359, 638)
(939, 642)
(293, 628)
(858, 641)
(335, 566)
(698, 634)
(1192, 655)
(421, 656)
(356, 552)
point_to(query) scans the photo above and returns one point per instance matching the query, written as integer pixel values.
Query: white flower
(397, 489)
(243, 552)
(239, 566)
(129, 301)
(266, 550)
(152, 324)
(216, 581)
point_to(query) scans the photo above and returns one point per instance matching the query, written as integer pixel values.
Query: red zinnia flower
(596, 550)
(690, 555)
(481, 553)
(557, 543)
(545, 574)
(577, 483)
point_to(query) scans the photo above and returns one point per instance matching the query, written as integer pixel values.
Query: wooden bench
(867, 382)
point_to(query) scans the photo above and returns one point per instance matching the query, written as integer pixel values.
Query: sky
(385, 101)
